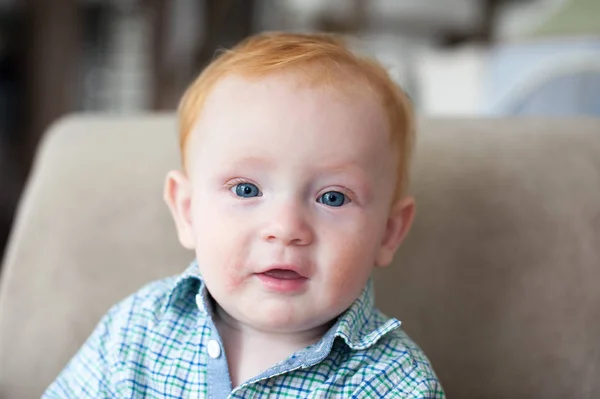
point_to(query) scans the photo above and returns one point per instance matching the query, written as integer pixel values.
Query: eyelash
(238, 180)
(349, 194)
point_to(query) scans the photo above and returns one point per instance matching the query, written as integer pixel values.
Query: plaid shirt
(161, 342)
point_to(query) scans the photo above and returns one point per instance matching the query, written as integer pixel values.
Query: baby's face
(287, 200)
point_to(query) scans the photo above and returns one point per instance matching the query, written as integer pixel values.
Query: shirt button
(214, 349)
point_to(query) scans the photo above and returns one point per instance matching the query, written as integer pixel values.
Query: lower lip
(282, 285)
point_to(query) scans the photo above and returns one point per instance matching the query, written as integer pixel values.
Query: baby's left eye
(333, 198)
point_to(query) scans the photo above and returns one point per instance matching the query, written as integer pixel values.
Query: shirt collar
(360, 326)
(180, 287)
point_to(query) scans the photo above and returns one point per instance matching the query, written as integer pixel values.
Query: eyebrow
(351, 167)
(252, 161)
(341, 167)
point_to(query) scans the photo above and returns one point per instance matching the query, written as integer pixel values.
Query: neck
(251, 351)
(298, 338)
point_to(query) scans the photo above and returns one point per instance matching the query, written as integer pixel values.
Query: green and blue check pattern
(154, 345)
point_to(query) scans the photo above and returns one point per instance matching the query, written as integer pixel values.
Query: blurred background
(463, 58)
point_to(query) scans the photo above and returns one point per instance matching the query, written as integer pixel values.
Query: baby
(295, 161)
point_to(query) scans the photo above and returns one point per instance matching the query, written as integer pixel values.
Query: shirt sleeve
(89, 373)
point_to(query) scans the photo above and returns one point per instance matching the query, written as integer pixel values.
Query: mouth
(283, 280)
(283, 274)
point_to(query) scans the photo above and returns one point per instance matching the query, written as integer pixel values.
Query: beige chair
(499, 280)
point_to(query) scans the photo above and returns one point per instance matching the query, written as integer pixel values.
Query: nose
(288, 224)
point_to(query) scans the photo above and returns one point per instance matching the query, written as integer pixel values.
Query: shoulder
(400, 346)
(399, 356)
(131, 320)
(411, 371)
(393, 366)
(119, 337)
(145, 303)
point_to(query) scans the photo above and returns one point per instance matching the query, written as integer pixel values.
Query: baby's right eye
(246, 190)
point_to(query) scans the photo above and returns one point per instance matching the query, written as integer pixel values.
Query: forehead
(298, 85)
(297, 94)
(286, 110)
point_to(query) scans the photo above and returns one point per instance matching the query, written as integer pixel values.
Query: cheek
(220, 266)
(351, 256)
(222, 245)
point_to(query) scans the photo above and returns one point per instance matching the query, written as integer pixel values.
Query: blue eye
(333, 198)
(246, 190)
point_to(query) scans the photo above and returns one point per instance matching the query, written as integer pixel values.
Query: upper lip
(285, 266)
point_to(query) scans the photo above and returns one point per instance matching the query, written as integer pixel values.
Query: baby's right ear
(178, 196)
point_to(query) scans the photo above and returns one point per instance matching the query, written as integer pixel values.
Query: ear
(398, 224)
(178, 197)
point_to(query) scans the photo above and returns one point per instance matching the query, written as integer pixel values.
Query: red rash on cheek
(232, 281)
(230, 269)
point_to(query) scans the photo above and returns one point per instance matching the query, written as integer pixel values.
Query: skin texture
(288, 143)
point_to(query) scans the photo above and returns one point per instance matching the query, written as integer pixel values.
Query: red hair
(326, 60)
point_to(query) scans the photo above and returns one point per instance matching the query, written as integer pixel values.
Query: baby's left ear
(398, 224)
